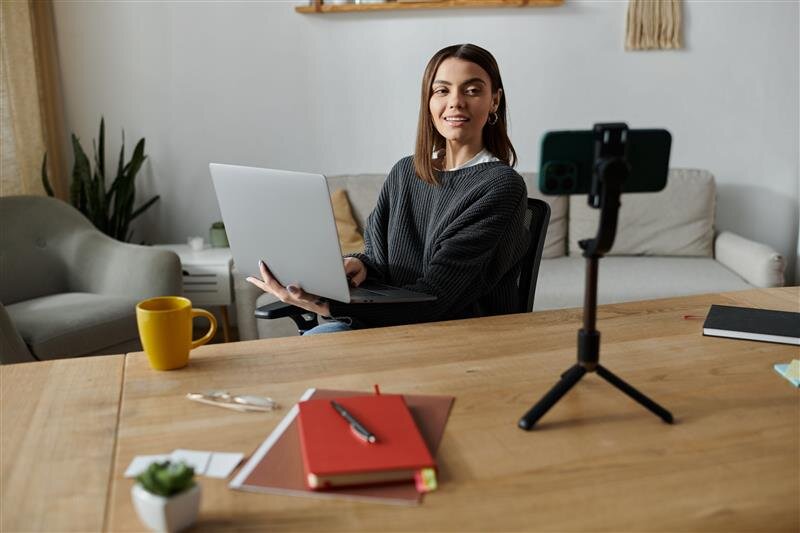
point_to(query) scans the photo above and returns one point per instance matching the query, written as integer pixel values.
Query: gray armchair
(66, 288)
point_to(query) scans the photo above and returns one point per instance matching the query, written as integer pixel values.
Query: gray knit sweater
(461, 241)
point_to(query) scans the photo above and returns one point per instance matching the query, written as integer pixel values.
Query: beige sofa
(666, 245)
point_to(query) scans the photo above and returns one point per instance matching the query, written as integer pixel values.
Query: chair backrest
(34, 231)
(537, 217)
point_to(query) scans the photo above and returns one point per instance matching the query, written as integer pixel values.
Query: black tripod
(610, 172)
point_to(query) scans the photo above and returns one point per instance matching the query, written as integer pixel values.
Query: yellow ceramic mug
(165, 329)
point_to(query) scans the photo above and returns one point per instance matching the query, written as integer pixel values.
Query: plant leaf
(81, 178)
(127, 190)
(115, 184)
(98, 199)
(137, 159)
(127, 208)
(144, 207)
(93, 195)
(121, 206)
(45, 180)
(99, 189)
(121, 164)
(101, 154)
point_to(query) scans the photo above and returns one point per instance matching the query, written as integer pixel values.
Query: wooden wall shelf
(441, 4)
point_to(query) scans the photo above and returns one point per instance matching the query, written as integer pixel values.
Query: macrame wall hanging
(653, 25)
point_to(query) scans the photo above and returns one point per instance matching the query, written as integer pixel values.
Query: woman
(449, 220)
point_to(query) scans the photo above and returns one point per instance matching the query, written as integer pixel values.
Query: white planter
(166, 514)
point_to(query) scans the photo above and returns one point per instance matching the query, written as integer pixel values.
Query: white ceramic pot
(166, 514)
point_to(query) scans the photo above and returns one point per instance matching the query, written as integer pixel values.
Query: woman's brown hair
(495, 136)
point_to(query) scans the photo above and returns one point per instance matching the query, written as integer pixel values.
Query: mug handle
(212, 330)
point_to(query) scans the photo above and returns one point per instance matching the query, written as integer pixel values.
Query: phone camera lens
(568, 183)
(551, 184)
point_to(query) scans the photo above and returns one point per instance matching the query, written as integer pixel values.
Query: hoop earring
(495, 116)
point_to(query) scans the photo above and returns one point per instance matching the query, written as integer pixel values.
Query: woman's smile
(456, 121)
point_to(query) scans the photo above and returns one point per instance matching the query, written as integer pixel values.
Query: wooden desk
(58, 423)
(597, 461)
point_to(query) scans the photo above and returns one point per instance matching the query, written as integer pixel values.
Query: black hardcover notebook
(753, 324)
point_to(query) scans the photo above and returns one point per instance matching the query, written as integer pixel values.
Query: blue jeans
(328, 327)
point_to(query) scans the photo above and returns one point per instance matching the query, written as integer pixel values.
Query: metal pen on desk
(355, 425)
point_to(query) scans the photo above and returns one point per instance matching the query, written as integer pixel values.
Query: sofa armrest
(245, 296)
(104, 265)
(757, 263)
(12, 348)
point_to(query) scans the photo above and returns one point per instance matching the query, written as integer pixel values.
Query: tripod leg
(656, 409)
(567, 381)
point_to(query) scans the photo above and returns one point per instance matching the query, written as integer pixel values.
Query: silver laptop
(286, 219)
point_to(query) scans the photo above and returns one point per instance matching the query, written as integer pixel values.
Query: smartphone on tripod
(567, 159)
(602, 163)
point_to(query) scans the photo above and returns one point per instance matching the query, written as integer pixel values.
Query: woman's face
(461, 100)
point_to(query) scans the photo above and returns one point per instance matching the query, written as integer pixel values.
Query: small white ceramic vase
(172, 514)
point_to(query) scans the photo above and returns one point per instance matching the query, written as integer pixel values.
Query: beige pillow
(677, 221)
(350, 237)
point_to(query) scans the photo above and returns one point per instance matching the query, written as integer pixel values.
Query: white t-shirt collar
(484, 156)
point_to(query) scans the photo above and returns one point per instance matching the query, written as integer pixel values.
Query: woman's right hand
(292, 294)
(355, 270)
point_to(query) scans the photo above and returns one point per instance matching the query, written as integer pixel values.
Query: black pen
(355, 425)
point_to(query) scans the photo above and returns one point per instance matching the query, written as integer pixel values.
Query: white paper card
(222, 464)
(141, 462)
(194, 458)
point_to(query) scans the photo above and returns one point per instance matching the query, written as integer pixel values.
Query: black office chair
(537, 217)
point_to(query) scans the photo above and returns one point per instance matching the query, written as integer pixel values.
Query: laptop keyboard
(376, 288)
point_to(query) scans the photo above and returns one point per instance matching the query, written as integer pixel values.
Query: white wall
(257, 83)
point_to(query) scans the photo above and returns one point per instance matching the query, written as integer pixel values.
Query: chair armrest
(757, 263)
(104, 265)
(304, 320)
(247, 298)
(12, 348)
(278, 310)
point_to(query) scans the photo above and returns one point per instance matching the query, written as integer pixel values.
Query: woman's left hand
(293, 294)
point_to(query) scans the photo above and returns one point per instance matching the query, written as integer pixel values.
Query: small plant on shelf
(217, 235)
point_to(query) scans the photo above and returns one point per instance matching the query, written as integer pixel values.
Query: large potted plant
(166, 497)
(110, 209)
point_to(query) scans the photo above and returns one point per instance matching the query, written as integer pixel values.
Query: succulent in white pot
(166, 497)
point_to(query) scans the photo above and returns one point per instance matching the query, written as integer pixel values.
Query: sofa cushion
(74, 323)
(677, 221)
(555, 244)
(350, 239)
(624, 279)
(362, 191)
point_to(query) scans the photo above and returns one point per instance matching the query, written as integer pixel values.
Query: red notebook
(335, 456)
(276, 466)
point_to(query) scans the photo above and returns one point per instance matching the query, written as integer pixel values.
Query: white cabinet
(207, 284)
(206, 277)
